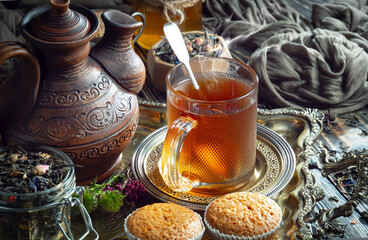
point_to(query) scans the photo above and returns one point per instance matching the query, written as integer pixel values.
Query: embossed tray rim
(304, 193)
(276, 142)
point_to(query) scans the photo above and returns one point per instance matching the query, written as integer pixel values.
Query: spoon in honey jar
(176, 41)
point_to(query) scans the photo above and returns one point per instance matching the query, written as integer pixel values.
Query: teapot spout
(115, 54)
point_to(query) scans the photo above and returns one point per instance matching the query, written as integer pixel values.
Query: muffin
(243, 215)
(164, 221)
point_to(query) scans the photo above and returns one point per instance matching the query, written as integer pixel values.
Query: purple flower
(107, 188)
(33, 184)
(119, 187)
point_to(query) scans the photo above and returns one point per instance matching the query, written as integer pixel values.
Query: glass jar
(44, 214)
(187, 14)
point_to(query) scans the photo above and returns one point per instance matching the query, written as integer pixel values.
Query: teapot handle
(18, 92)
(143, 18)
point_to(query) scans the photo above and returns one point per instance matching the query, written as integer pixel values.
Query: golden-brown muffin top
(243, 214)
(164, 221)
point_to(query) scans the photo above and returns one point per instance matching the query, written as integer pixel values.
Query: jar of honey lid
(187, 14)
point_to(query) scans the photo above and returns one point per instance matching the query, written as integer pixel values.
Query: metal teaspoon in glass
(176, 41)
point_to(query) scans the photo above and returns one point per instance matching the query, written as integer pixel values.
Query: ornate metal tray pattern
(275, 167)
(300, 127)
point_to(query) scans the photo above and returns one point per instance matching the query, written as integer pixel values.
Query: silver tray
(275, 166)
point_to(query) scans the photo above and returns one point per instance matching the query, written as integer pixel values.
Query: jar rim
(62, 189)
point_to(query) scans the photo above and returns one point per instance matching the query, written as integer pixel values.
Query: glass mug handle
(169, 161)
(143, 18)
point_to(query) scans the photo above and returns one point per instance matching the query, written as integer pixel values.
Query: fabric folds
(319, 64)
(321, 70)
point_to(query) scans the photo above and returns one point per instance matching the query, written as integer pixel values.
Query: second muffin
(243, 215)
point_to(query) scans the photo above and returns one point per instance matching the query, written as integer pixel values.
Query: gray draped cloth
(320, 64)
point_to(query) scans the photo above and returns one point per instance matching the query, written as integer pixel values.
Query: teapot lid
(60, 23)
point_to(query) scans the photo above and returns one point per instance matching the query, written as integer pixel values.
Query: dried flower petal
(33, 185)
(45, 155)
(12, 198)
(16, 174)
(198, 41)
(207, 48)
(42, 169)
(189, 46)
(14, 157)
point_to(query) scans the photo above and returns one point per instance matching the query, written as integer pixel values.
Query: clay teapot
(66, 95)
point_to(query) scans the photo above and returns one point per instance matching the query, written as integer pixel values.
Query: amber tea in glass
(210, 146)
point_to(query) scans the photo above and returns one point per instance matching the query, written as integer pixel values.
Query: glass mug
(210, 146)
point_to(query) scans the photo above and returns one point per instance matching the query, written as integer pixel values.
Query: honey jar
(187, 14)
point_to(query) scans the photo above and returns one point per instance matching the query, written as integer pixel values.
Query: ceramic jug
(68, 96)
